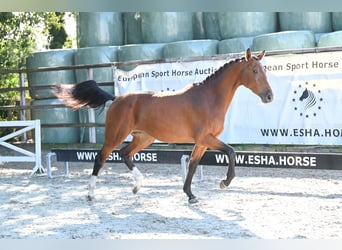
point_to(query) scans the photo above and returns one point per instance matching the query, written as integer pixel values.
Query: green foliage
(56, 32)
(19, 34)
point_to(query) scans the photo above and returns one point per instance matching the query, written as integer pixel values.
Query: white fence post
(91, 112)
(28, 155)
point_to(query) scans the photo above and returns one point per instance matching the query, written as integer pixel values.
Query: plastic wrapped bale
(235, 45)
(245, 24)
(190, 48)
(49, 58)
(166, 27)
(96, 55)
(56, 116)
(138, 52)
(318, 36)
(100, 117)
(317, 22)
(284, 40)
(132, 28)
(198, 26)
(211, 25)
(99, 29)
(336, 21)
(331, 39)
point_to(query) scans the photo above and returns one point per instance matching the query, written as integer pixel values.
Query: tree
(57, 35)
(18, 38)
(19, 34)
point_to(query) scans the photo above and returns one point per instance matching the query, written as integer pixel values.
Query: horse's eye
(255, 71)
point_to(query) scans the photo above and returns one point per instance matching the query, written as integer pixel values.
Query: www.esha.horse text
(114, 156)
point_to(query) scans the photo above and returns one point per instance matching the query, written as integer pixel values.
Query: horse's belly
(166, 130)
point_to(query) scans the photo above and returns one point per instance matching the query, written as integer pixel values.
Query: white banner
(307, 97)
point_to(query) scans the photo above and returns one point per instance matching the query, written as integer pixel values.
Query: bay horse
(194, 114)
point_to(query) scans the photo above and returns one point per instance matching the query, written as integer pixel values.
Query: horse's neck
(225, 86)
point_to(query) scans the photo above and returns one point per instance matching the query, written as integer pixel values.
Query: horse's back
(163, 116)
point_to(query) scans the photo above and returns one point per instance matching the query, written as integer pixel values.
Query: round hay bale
(166, 27)
(317, 22)
(198, 26)
(99, 29)
(318, 36)
(211, 25)
(96, 55)
(56, 116)
(245, 24)
(284, 40)
(132, 28)
(190, 48)
(336, 19)
(330, 39)
(50, 58)
(235, 45)
(134, 52)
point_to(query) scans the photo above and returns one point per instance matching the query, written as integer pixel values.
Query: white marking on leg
(92, 185)
(138, 177)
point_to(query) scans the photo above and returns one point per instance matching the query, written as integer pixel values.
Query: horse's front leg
(229, 150)
(212, 142)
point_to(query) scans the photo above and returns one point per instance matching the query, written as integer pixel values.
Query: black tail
(86, 93)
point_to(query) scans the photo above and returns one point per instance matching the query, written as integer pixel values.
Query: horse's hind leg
(108, 147)
(140, 141)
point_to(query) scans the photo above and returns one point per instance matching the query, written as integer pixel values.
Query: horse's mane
(219, 71)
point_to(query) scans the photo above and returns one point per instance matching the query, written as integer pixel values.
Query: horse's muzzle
(267, 96)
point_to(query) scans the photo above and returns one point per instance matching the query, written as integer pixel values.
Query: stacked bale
(134, 52)
(99, 29)
(198, 26)
(235, 45)
(190, 48)
(211, 25)
(245, 24)
(166, 27)
(336, 20)
(334, 38)
(132, 28)
(317, 22)
(330, 39)
(56, 116)
(96, 55)
(284, 40)
(52, 58)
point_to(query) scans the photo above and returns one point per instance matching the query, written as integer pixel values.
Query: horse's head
(254, 76)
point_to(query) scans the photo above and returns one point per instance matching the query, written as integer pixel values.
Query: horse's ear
(261, 55)
(248, 54)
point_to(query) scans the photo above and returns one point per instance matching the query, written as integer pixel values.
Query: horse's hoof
(135, 189)
(223, 185)
(193, 200)
(90, 198)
